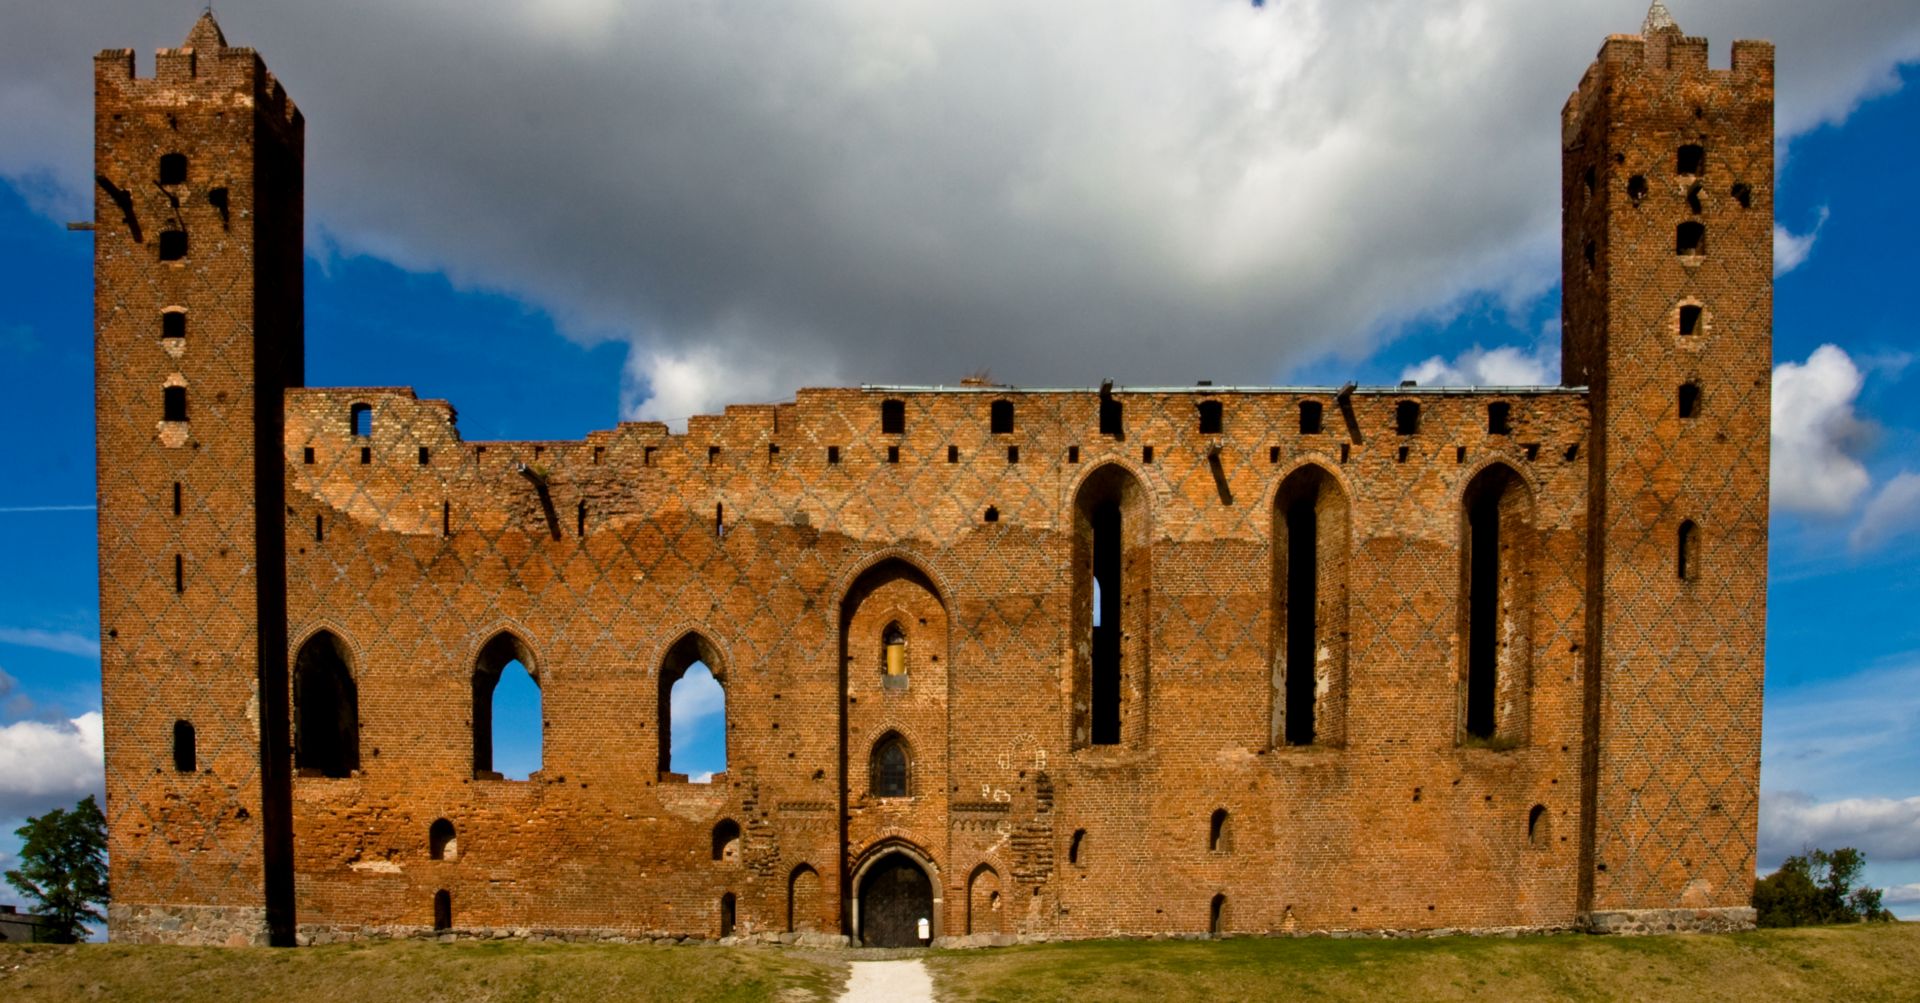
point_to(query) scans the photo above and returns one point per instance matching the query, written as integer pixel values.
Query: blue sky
(392, 301)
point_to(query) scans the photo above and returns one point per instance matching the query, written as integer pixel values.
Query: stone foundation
(1640, 922)
(189, 925)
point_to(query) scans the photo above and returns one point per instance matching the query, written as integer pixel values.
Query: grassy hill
(1880, 962)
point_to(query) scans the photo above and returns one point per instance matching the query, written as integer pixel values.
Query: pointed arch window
(889, 775)
(326, 710)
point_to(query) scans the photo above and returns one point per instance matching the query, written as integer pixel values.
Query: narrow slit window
(726, 914)
(1000, 417)
(1217, 915)
(580, 519)
(893, 417)
(1690, 238)
(1687, 558)
(1077, 848)
(1689, 400)
(319, 529)
(176, 498)
(1311, 414)
(173, 404)
(173, 324)
(179, 574)
(1210, 417)
(426, 456)
(185, 755)
(719, 519)
(1499, 418)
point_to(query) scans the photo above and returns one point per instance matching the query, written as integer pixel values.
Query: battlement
(197, 72)
(1666, 54)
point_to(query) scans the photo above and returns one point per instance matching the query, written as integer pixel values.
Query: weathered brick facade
(1358, 659)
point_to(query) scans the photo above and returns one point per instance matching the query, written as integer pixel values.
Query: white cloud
(1908, 894)
(1892, 512)
(64, 642)
(48, 765)
(1505, 366)
(1854, 736)
(1790, 251)
(1816, 436)
(756, 195)
(1885, 829)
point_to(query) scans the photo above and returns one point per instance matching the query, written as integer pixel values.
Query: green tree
(63, 867)
(1818, 887)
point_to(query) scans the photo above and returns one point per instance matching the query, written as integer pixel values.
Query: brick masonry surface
(317, 607)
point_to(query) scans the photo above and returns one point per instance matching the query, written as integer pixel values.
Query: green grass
(1880, 962)
(414, 972)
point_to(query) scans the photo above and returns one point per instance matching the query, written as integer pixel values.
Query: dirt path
(904, 981)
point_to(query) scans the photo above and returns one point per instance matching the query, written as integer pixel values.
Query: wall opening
(507, 726)
(1211, 417)
(173, 169)
(1496, 590)
(1112, 414)
(173, 324)
(326, 709)
(1499, 418)
(1690, 238)
(1217, 915)
(442, 910)
(1689, 400)
(894, 896)
(1000, 417)
(173, 404)
(1312, 417)
(185, 754)
(173, 245)
(1219, 838)
(803, 898)
(726, 841)
(1077, 847)
(693, 712)
(1687, 551)
(1537, 826)
(1309, 588)
(1637, 188)
(888, 771)
(893, 417)
(176, 498)
(1112, 577)
(360, 420)
(1690, 320)
(442, 844)
(893, 651)
(1691, 159)
(1743, 194)
(1406, 417)
(727, 905)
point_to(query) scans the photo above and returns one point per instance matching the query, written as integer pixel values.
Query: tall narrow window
(507, 730)
(1690, 320)
(442, 844)
(185, 755)
(1311, 413)
(442, 910)
(1076, 848)
(1218, 840)
(1687, 558)
(893, 417)
(1496, 592)
(173, 404)
(176, 497)
(1000, 417)
(893, 645)
(1537, 826)
(726, 914)
(1217, 915)
(1499, 418)
(1111, 556)
(1210, 420)
(1310, 532)
(1689, 400)
(693, 712)
(173, 169)
(1690, 238)
(1111, 413)
(360, 420)
(173, 324)
(326, 709)
(888, 776)
(1406, 417)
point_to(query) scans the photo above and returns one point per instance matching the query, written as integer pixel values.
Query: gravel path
(889, 982)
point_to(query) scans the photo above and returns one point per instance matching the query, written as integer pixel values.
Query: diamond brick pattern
(1628, 701)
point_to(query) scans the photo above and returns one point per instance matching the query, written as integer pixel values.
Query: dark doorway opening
(895, 895)
(1483, 611)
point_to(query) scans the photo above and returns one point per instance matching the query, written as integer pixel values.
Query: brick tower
(1668, 209)
(197, 313)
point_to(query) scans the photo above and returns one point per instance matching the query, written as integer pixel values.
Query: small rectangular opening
(953, 454)
(366, 454)
(1211, 417)
(893, 417)
(1311, 415)
(1499, 414)
(1689, 320)
(833, 454)
(1073, 454)
(1146, 454)
(893, 454)
(173, 245)
(1273, 454)
(426, 457)
(773, 452)
(173, 404)
(1406, 417)
(600, 453)
(1346, 450)
(1459, 454)
(1402, 457)
(646, 455)
(1000, 418)
(713, 454)
(1013, 454)
(306, 455)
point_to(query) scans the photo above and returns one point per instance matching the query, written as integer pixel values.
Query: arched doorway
(894, 894)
